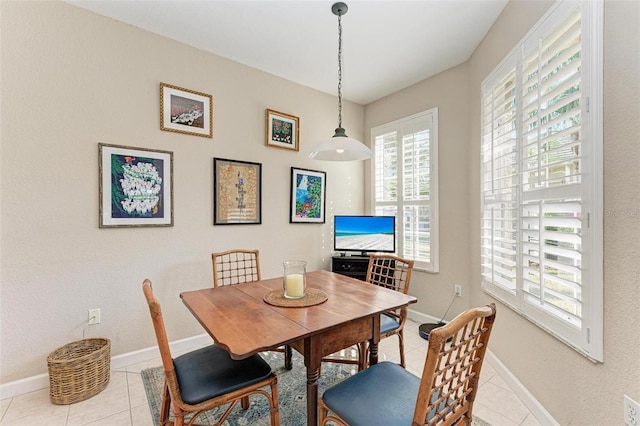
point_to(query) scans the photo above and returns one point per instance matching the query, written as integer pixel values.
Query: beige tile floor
(124, 402)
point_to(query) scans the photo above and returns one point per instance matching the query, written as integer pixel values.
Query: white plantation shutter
(386, 167)
(542, 176)
(499, 183)
(405, 184)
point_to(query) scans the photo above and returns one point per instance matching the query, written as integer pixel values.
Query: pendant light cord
(340, 70)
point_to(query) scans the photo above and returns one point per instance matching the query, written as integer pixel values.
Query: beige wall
(448, 92)
(573, 389)
(70, 80)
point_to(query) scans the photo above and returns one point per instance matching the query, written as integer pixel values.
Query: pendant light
(340, 147)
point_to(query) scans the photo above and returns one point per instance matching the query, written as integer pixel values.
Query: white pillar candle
(295, 285)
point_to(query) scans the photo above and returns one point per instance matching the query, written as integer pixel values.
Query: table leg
(373, 342)
(312, 396)
(312, 359)
(373, 352)
(288, 354)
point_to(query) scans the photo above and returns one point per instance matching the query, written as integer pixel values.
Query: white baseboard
(41, 381)
(421, 318)
(543, 416)
(22, 386)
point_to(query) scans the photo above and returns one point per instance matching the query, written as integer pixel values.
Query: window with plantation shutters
(541, 177)
(405, 184)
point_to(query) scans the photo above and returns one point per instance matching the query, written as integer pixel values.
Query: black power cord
(427, 328)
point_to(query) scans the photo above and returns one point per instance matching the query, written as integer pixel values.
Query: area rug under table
(292, 394)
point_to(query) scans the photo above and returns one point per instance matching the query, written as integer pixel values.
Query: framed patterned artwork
(237, 192)
(136, 186)
(308, 194)
(282, 130)
(186, 111)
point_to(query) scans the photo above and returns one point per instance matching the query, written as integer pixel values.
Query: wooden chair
(242, 266)
(391, 272)
(207, 378)
(235, 267)
(387, 394)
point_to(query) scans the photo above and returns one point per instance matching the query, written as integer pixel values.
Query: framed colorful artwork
(308, 194)
(283, 130)
(237, 192)
(186, 111)
(136, 187)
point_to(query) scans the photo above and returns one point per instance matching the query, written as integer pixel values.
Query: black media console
(351, 266)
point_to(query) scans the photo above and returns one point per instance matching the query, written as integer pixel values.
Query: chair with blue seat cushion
(207, 378)
(386, 394)
(392, 272)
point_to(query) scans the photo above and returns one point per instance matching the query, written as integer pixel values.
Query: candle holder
(294, 281)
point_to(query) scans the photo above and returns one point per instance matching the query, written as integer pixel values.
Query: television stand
(351, 266)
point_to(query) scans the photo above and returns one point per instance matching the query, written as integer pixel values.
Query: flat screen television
(364, 234)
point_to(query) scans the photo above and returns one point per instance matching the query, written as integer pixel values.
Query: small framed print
(237, 192)
(308, 194)
(136, 187)
(282, 130)
(186, 111)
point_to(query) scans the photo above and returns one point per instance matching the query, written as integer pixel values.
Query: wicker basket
(79, 370)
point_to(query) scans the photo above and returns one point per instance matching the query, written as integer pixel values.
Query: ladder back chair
(387, 394)
(207, 378)
(242, 266)
(235, 267)
(392, 272)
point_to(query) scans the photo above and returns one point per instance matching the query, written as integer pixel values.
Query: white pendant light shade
(340, 147)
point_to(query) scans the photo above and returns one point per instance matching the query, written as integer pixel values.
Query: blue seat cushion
(388, 323)
(384, 394)
(210, 372)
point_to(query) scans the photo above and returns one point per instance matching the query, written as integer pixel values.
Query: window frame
(432, 265)
(588, 338)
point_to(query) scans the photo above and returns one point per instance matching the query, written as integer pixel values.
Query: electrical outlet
(457, 290)
(631, 412)
(94, 316)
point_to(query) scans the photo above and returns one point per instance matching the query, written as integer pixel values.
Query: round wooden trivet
(311, 297)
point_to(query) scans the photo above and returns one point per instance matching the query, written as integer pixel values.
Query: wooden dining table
(239, 319)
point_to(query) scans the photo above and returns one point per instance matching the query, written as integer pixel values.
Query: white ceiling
(387, 45)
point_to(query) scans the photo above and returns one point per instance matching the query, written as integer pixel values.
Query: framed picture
(283, 130)
(136, 186)
(186, 111)
(308, 194)
(237, 192)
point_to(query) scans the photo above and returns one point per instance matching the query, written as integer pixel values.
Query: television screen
(365, 233)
